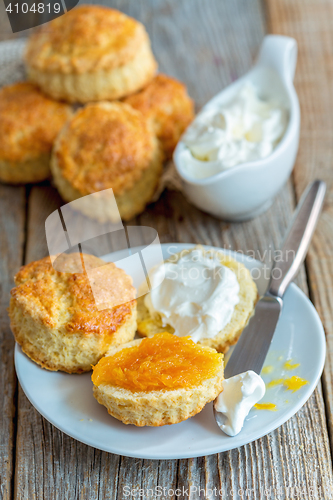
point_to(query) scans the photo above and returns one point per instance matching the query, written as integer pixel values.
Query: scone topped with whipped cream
(90, 53)
(54, 316)
(108, 145)
(167, 105)
(204, 294)
(29, 123)
(158, 381)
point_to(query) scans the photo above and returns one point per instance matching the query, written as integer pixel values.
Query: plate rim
(235, 442)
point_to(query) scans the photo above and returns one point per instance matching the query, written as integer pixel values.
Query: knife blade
(252, 347)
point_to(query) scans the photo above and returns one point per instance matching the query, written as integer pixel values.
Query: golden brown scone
(89, 54)
(166, 104)
(29, 124)
(54, 317)
(169, 381)
(248, 296)
(107, 145)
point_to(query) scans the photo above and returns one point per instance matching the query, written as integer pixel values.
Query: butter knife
(252, 347)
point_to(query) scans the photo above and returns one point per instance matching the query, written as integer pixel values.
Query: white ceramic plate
(68, 403)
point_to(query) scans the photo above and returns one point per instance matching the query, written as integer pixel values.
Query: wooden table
(207, 44)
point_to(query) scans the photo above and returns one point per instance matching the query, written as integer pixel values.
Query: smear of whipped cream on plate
(240, 393)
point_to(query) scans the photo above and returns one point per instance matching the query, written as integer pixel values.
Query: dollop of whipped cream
(197, 296)
(245, 129)
(240, 393)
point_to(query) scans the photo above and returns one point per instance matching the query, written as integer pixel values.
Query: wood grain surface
(207, 44)
(311, 24)
(12, 223)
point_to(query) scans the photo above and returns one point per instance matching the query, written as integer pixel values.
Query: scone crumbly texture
(91, 53)
(108, 145)
(29, 124)
(54, 317)
(166, 103)
(161, 407)
(248, 296)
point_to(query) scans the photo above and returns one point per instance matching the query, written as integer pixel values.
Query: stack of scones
(127, 119)
(95, 115)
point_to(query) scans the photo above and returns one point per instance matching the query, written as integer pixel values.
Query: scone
(29, 124)
(54, 317)
(158, 381)
(89, 54)
(107, 145)
(166, 104)
(151, 322)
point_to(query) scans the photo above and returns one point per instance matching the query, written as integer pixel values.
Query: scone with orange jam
(54, 316)
(29, 124)
(167, 105)
(107, 145)
(89, 54)
(158, 381)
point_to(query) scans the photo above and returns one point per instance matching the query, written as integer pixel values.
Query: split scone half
(90, 54)
(152, 322)
(107, 145)
(29, 123)
(158, 381)
(167, 105)
(54, 316)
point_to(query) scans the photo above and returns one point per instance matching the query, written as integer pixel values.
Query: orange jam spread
(161, 362)
(275, 382)
(266, 406)
(292, 384)
(295, 383)
(291, 366)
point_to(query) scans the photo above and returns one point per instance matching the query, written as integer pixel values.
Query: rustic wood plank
(50, 464)
(40, 447)
(296, 455)
(5, 29)
(195, 41)
(12, 221)
(310, 22)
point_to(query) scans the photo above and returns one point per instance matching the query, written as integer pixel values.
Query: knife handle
(298, 238)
